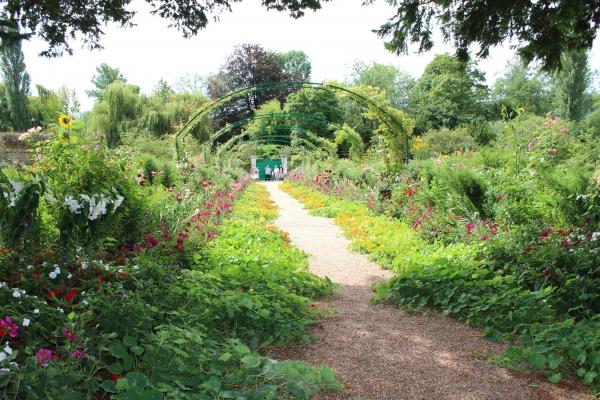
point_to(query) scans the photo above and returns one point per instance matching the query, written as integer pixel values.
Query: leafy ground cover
(126, 277)
(460, 280)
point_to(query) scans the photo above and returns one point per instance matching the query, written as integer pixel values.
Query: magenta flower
(8, 326)
(545, 233)
(564, 244)
(43, 356)
(71, 337)
(470, 228)
(78, 354)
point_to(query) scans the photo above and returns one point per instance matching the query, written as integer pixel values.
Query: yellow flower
(65, 121)
(520, 110)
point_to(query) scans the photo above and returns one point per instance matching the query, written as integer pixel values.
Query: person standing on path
(268, 173)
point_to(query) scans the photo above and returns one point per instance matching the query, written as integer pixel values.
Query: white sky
(333, 37)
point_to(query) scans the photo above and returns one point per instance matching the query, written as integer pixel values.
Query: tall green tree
(5, 120)
(571, 84)
(525, 87)
(449, 93)
(249, 64)
(16, 82)
(295, 65)
(45, 108)
(104, 77)
(319, 103)
(163, 92)
(394, 82)
(68, 100)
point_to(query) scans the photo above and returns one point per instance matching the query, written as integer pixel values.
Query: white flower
(96, 210)
(2, 284)
(85, 302)
(30, 267)
(49, 198)
(84, 265)
(3, 356)
(69, 276)
(36, 311)
(73, 205)
(118, 202)
(16, 293)
(52, 275)
(8, 350)
(60, 309)
(26, 321)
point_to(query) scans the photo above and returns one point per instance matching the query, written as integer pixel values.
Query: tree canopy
(544, 29)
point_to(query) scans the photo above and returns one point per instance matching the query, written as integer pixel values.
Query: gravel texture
(381, 352)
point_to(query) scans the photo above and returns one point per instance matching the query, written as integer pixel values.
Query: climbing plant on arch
(396, 125)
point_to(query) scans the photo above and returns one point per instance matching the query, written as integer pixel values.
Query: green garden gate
(261, 164)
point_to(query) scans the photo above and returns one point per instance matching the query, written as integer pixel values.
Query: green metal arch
(384, 115)
(282, 115)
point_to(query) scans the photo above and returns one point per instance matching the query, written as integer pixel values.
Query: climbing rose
(43, 356)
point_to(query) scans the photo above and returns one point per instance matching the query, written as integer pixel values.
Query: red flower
(409, 192)
(150, 242)
(53, 293)
(114, 377)
(70, 295)
(564, 244)
(547, 271)
(545, 233)
(71, 337)
(470, 228)
(484, 238)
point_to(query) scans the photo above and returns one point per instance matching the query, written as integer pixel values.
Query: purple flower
(43, 356)
(78, 354)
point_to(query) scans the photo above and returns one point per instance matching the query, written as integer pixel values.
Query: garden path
(382, 353)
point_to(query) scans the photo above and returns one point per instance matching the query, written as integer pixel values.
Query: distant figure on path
(268, 173)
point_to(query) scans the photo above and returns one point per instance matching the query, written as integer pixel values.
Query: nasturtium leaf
(554, 360)
(117, 350)
(136, 380)
(225, 357)
(251, 360)
(589, 377)
(537, 360)
(554, 377)
(130, 341)
(137, 350)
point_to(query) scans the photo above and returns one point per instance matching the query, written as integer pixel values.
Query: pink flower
(484, 238)
(564, 244)
(545, 233)
(43, 356)
(8, 326)
(78, 354)
(71, 337)
(470, 228)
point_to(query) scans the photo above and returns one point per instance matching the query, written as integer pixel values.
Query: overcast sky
(334, 38)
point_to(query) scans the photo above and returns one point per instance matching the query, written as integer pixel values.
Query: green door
(262, 164)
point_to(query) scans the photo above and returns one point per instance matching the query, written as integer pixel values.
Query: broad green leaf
(537, 360)
(554, 360)
(251, 361)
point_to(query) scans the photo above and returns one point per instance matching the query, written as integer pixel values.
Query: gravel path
(381, 352)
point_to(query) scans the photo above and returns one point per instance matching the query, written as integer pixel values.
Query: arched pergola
(384, 114)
